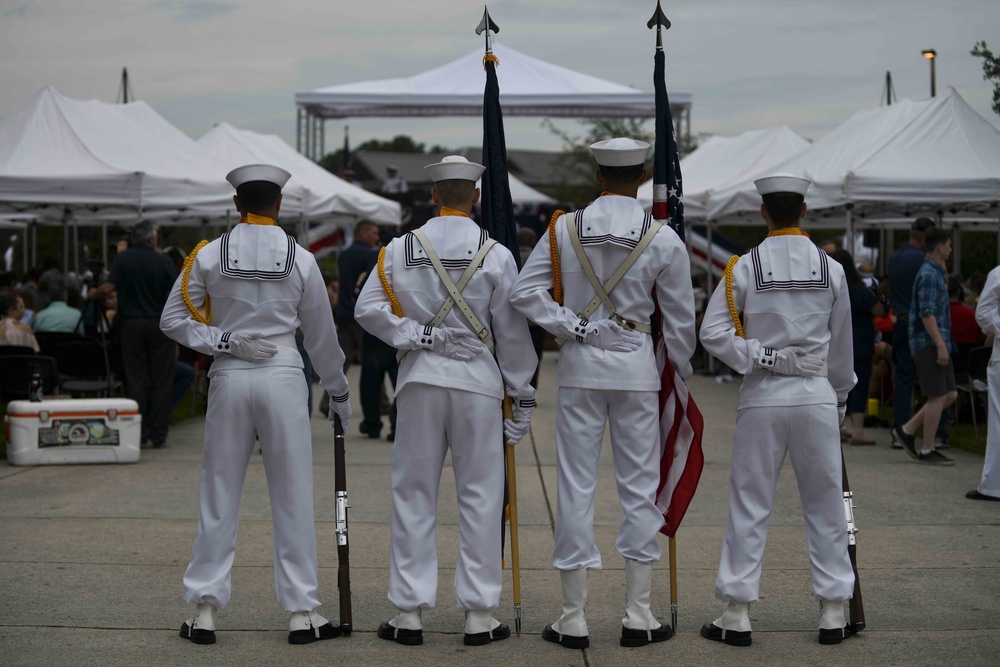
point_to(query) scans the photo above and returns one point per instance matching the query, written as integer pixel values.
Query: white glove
(515, 429)
(790, 361)
(249, 346)
(452, 342)
(340, 408)
(841, 412)
(609, 335)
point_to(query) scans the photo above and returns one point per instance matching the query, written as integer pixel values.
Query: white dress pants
(431, 419)
(990, 484)
(808, 433)
(634, 418)
(270, 402)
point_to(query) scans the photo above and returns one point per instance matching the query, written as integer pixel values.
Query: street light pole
(931, 55)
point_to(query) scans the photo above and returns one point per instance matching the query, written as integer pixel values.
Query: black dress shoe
(326, 631)
(632, 638)
(569, 641)
(406, 637)
(369, 431)
(731, 637)
(835, 636)
(392, 436)
(481, 638)
(975, 495)
(197, 636)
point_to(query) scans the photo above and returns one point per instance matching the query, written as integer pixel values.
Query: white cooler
(88, 430)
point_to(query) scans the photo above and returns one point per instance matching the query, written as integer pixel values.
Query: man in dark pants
(144, 278)
(904, 264)
(377, 360)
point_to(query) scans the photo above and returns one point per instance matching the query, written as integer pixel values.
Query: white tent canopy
(325, 195)
(60, 157)
(522, 193)
(936, 157)
(528, 87)
(723, 161)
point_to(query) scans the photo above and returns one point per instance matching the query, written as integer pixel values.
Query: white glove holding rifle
(340, 409)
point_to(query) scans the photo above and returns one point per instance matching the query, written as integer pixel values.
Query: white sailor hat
(258, 172)
(620, 152)
(782, 183)
(455, 168)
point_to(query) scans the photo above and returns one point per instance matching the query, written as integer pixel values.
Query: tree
(576, 182)
(991, 71)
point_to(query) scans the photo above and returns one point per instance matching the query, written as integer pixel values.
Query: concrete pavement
(91, 560)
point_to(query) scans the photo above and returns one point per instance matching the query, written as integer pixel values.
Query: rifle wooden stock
(343, 548)
(857, 605)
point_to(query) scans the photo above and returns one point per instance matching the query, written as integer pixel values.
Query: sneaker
(934, 457)
(905, 440)
(941, 444)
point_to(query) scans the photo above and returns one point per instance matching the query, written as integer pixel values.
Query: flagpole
(661, 198)
(498, 220)
(515, 552)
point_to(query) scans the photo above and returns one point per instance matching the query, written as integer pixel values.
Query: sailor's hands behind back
(457, 343)
(796, 361)
(249, 346)
(609, 335)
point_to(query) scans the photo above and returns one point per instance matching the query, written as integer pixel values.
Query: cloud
(18, 12)
(191, 11)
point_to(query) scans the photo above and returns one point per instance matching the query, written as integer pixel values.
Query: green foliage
(401, 143)
(991, 71)
(576, 179)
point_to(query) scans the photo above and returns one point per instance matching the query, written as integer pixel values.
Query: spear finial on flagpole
(487, 25)
(661, 22)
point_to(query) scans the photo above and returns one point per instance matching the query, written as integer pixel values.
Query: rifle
(857, 605)
(343, 548)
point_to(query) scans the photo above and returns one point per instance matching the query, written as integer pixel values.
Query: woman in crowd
(865, 306)
(12, 330)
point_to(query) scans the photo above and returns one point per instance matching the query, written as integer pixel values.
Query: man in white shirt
(607, 373)
(448, 395)
(241, 298)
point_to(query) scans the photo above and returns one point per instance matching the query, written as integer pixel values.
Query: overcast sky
(748, 63)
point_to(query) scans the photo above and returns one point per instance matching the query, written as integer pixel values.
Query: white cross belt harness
(604, 290)
(455, 289)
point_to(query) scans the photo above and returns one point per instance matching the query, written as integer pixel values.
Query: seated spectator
(964, 328)
(58, 316)
(12, 331)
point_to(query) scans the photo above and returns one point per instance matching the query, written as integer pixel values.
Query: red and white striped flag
(681, 457)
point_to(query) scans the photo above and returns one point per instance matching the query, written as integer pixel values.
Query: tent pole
(34, 244)
(76, 248)
(956, 244)
(298, 129)
(850, 228)
(711, 284)
(66, 214)
(104, 243)
(24, 246)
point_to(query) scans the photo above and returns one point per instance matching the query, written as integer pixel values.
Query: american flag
(668, 193)
(681, 423)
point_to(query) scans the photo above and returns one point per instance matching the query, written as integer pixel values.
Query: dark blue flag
(497, 209)
(668, 195)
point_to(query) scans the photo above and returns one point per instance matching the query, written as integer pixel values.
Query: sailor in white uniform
(240, 298)
(448, 395)
(988, 318)
(607, 373)
(795, 350)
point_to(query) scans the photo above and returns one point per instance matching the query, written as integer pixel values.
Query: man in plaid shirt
(931, 346)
